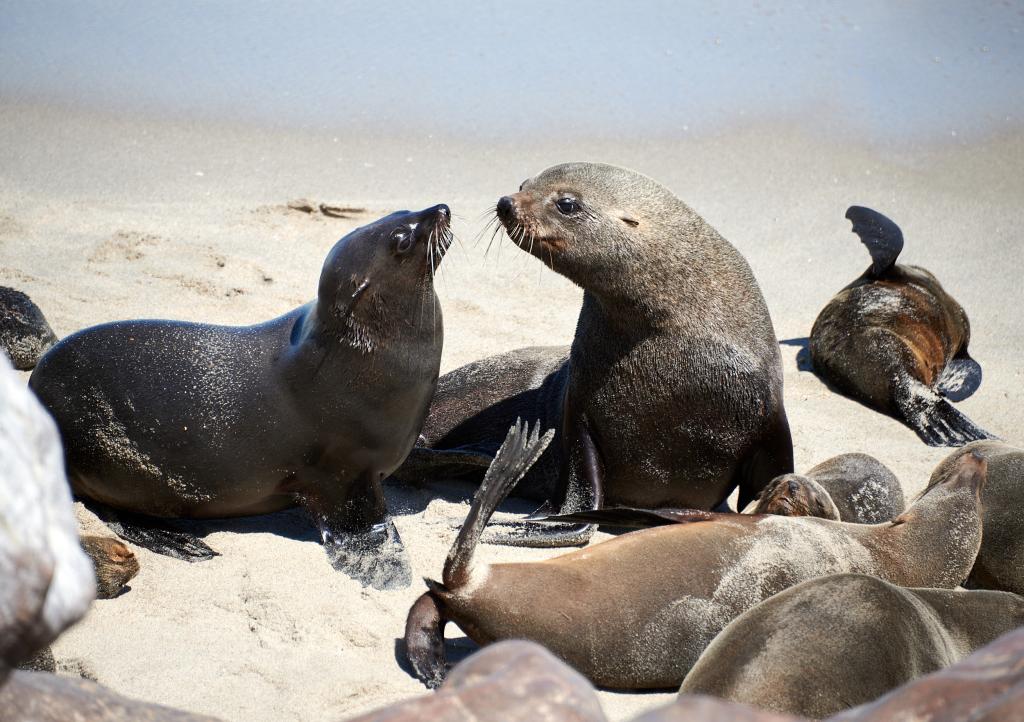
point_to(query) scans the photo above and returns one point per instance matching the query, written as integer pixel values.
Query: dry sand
(104, 218)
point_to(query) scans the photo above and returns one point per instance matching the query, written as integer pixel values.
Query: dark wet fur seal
(637, 611)
(512, 681)
(839, 641)
(114, 564)
(1000, 562)
(184, 420)
(896, 341)
(672, 394)
(988, 686)
(24, 332)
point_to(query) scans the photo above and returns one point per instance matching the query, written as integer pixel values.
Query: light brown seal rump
(835, 642)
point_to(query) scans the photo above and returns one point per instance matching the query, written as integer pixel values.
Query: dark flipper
(583, 491)
(374, 558)
(424, 641)
(883, 238)
(428, 464)
(933, 418)
(631, 517)
(157, 535)
(960, 378)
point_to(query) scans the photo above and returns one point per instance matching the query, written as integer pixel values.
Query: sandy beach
(107, 216)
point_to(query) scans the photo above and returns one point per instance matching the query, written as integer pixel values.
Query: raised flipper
(583, 492)
(933, 418)
(960, 378)
(883, 238)
(631, 517)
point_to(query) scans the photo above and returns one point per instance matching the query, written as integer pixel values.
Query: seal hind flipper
(960, 378)
(515, 457)
(933, 418)
(424, 639)
(883, 238)
(625, 516)
(156, 535)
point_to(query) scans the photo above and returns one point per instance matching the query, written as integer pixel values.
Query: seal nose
(443, 212)
(506, 207)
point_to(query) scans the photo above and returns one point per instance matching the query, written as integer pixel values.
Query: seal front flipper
(359, 535)
(883, 238)
(424, 630)
(960, 378)
(153, 534)
(933, 418)
(426, 464)
(625, 516)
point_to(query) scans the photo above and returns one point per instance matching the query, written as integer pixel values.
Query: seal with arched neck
(638, 610)
(835, 642)
(896, 341)
(185, 420)
(672, 392)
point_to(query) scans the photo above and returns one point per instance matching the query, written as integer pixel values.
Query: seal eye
(403, 239)
(567, 206)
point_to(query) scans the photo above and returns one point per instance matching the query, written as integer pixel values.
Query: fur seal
(672, 392)
(835, 642)
(795, 495)
(896, 341)
(988, 686)
(113, 563)
(637, 611)
(1000, 562)
(184, 420)
(24, 331)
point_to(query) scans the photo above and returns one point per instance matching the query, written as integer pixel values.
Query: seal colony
(183, 420)
(897, 342)
(673, 328)
(636, 613)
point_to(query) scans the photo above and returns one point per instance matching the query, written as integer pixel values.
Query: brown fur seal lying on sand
(897, 342)
(637, 611)
(178, 420)
(835, 642)
(1000, 562)
(672, 392)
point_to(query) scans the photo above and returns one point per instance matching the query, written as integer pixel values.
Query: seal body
(24, 332)
(672, 392)
(185, 420)
(895, 340)
(634, 612)
(1000, 562)
(844, 640)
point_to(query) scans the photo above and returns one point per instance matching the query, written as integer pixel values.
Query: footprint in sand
(124, 245)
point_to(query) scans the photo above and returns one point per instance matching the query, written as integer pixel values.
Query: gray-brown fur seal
(24, 332)
(835, 642)
(672, 392)
(897, 342)
(113, 563)
(638, 610)
(1000, 562)
(185, 420)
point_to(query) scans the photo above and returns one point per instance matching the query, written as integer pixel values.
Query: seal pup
(897, 342)
(636, 611)
(1000, 562)
(672, 393)
(184, 420)
(24, 332)
(835, 642)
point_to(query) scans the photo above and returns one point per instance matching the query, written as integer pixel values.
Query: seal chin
(374, 558)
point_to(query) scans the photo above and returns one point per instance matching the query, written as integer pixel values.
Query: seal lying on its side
(1000, 562)
(24, 333)
(897, 342)
(835, 642)
(637, 611)
(172, 419)
(672, 393)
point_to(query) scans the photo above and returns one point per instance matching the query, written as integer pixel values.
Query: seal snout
(506, 209)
